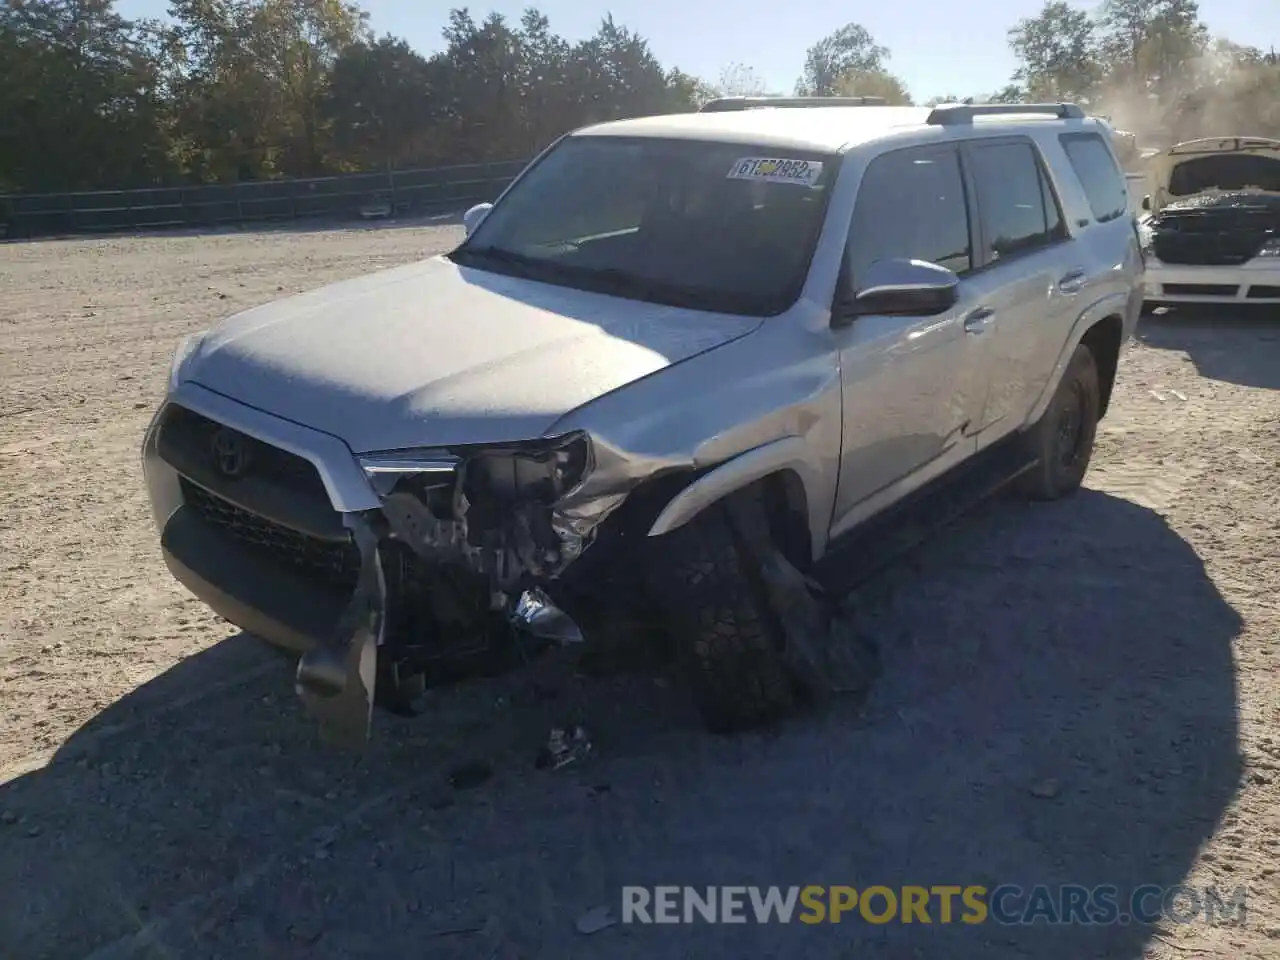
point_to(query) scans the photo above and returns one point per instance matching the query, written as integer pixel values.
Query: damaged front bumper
(347, 589)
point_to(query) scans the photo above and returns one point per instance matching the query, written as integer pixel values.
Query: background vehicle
(715, 343)
(1213, 235)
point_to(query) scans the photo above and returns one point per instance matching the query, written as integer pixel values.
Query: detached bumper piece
(336, 679)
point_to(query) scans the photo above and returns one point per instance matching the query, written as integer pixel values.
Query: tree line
(236, 90)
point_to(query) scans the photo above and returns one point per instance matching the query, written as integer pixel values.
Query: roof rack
(949, 113)
(729, 104)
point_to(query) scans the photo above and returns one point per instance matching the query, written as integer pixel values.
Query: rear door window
(1101, 178)
(1015, 200)
(911, 204)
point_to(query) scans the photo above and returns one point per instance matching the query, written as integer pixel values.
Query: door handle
(976, 321)
(1073, 281)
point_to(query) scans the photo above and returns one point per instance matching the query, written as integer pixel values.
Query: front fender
(787, 453)
(1126, 306)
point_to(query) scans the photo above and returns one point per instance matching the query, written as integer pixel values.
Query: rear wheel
(1062, 441)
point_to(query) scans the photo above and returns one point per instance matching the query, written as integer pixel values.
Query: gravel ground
(1079, 692)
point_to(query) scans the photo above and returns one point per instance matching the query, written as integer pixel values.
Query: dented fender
(787, 453)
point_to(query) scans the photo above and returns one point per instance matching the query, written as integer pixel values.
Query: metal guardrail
(406, 192)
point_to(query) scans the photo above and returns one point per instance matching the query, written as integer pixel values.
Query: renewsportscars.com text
(972, 904)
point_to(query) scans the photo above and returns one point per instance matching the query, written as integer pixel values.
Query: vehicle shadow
(1238, 345)
(1057, 706)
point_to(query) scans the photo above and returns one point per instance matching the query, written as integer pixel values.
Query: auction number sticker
(776, 170)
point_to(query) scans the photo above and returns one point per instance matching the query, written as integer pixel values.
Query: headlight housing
(186, 349)
(542, 471)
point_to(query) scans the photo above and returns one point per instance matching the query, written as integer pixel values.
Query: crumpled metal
(336, 680)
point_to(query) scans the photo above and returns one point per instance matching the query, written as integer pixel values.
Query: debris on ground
(595, 920)
(469, 775)
(1045, 789)
(564, 747)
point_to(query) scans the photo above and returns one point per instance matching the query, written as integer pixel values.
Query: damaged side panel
(512, 519)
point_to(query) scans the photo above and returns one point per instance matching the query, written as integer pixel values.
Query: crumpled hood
(433, 354)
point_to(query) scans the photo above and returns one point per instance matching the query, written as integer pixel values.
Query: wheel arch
(1102, 329)
(790, 482)
(1104, 339)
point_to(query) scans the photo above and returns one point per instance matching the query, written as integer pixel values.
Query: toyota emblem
(230, 453)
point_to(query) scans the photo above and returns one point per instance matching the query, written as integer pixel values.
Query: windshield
(1225, 171)
(713, 226)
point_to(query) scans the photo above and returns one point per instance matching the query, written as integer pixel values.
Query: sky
(935, 48)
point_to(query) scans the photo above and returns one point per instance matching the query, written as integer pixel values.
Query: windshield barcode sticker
(775, 170)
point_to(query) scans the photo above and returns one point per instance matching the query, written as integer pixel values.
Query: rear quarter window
(1096, 168)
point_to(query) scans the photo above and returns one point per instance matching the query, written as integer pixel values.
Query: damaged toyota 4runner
(675, 366)
(1213, 234)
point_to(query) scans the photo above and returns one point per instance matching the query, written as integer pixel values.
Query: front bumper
(267, 547)
(288, 592)
(1255, 282)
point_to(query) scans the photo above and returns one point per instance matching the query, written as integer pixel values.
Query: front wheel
(728, 644)
(1062, 441)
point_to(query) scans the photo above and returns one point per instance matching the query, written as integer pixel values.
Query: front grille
(331, 564)
(432, 609)
(1202, 289)
(187, 440)
(1261, 292)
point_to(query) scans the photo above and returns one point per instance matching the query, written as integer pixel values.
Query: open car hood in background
(1165, 175)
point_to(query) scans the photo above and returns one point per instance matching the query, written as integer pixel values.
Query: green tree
(80, 97)
(1153, 45)
(873, 83)
(848, 49)
(1057, 51)
(380, 96)
(739, 80)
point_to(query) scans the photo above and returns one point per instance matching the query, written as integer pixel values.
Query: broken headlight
(540, 471)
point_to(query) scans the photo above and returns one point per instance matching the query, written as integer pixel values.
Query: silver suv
(675, 366)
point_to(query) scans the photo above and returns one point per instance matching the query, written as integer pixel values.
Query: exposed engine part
(496, 513)
(1223, 229)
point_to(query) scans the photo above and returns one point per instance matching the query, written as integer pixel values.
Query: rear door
(1026, 266)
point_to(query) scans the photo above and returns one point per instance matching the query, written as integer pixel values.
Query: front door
(913, 387)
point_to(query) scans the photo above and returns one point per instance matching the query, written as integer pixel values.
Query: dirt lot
(1083, 692)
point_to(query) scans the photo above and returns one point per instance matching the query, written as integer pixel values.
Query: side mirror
(904, 288)
(471, 219)
(1146, 202)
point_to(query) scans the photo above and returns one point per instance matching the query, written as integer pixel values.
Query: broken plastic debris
(1045, 789)
(467, 776)
(564, 747)
(595, 920)
(336, 679)
(535, 613)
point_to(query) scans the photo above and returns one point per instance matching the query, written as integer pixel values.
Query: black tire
(1062, 441)
(727, 642)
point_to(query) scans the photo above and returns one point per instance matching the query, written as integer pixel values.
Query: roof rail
(728, 104)
(949, 113)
